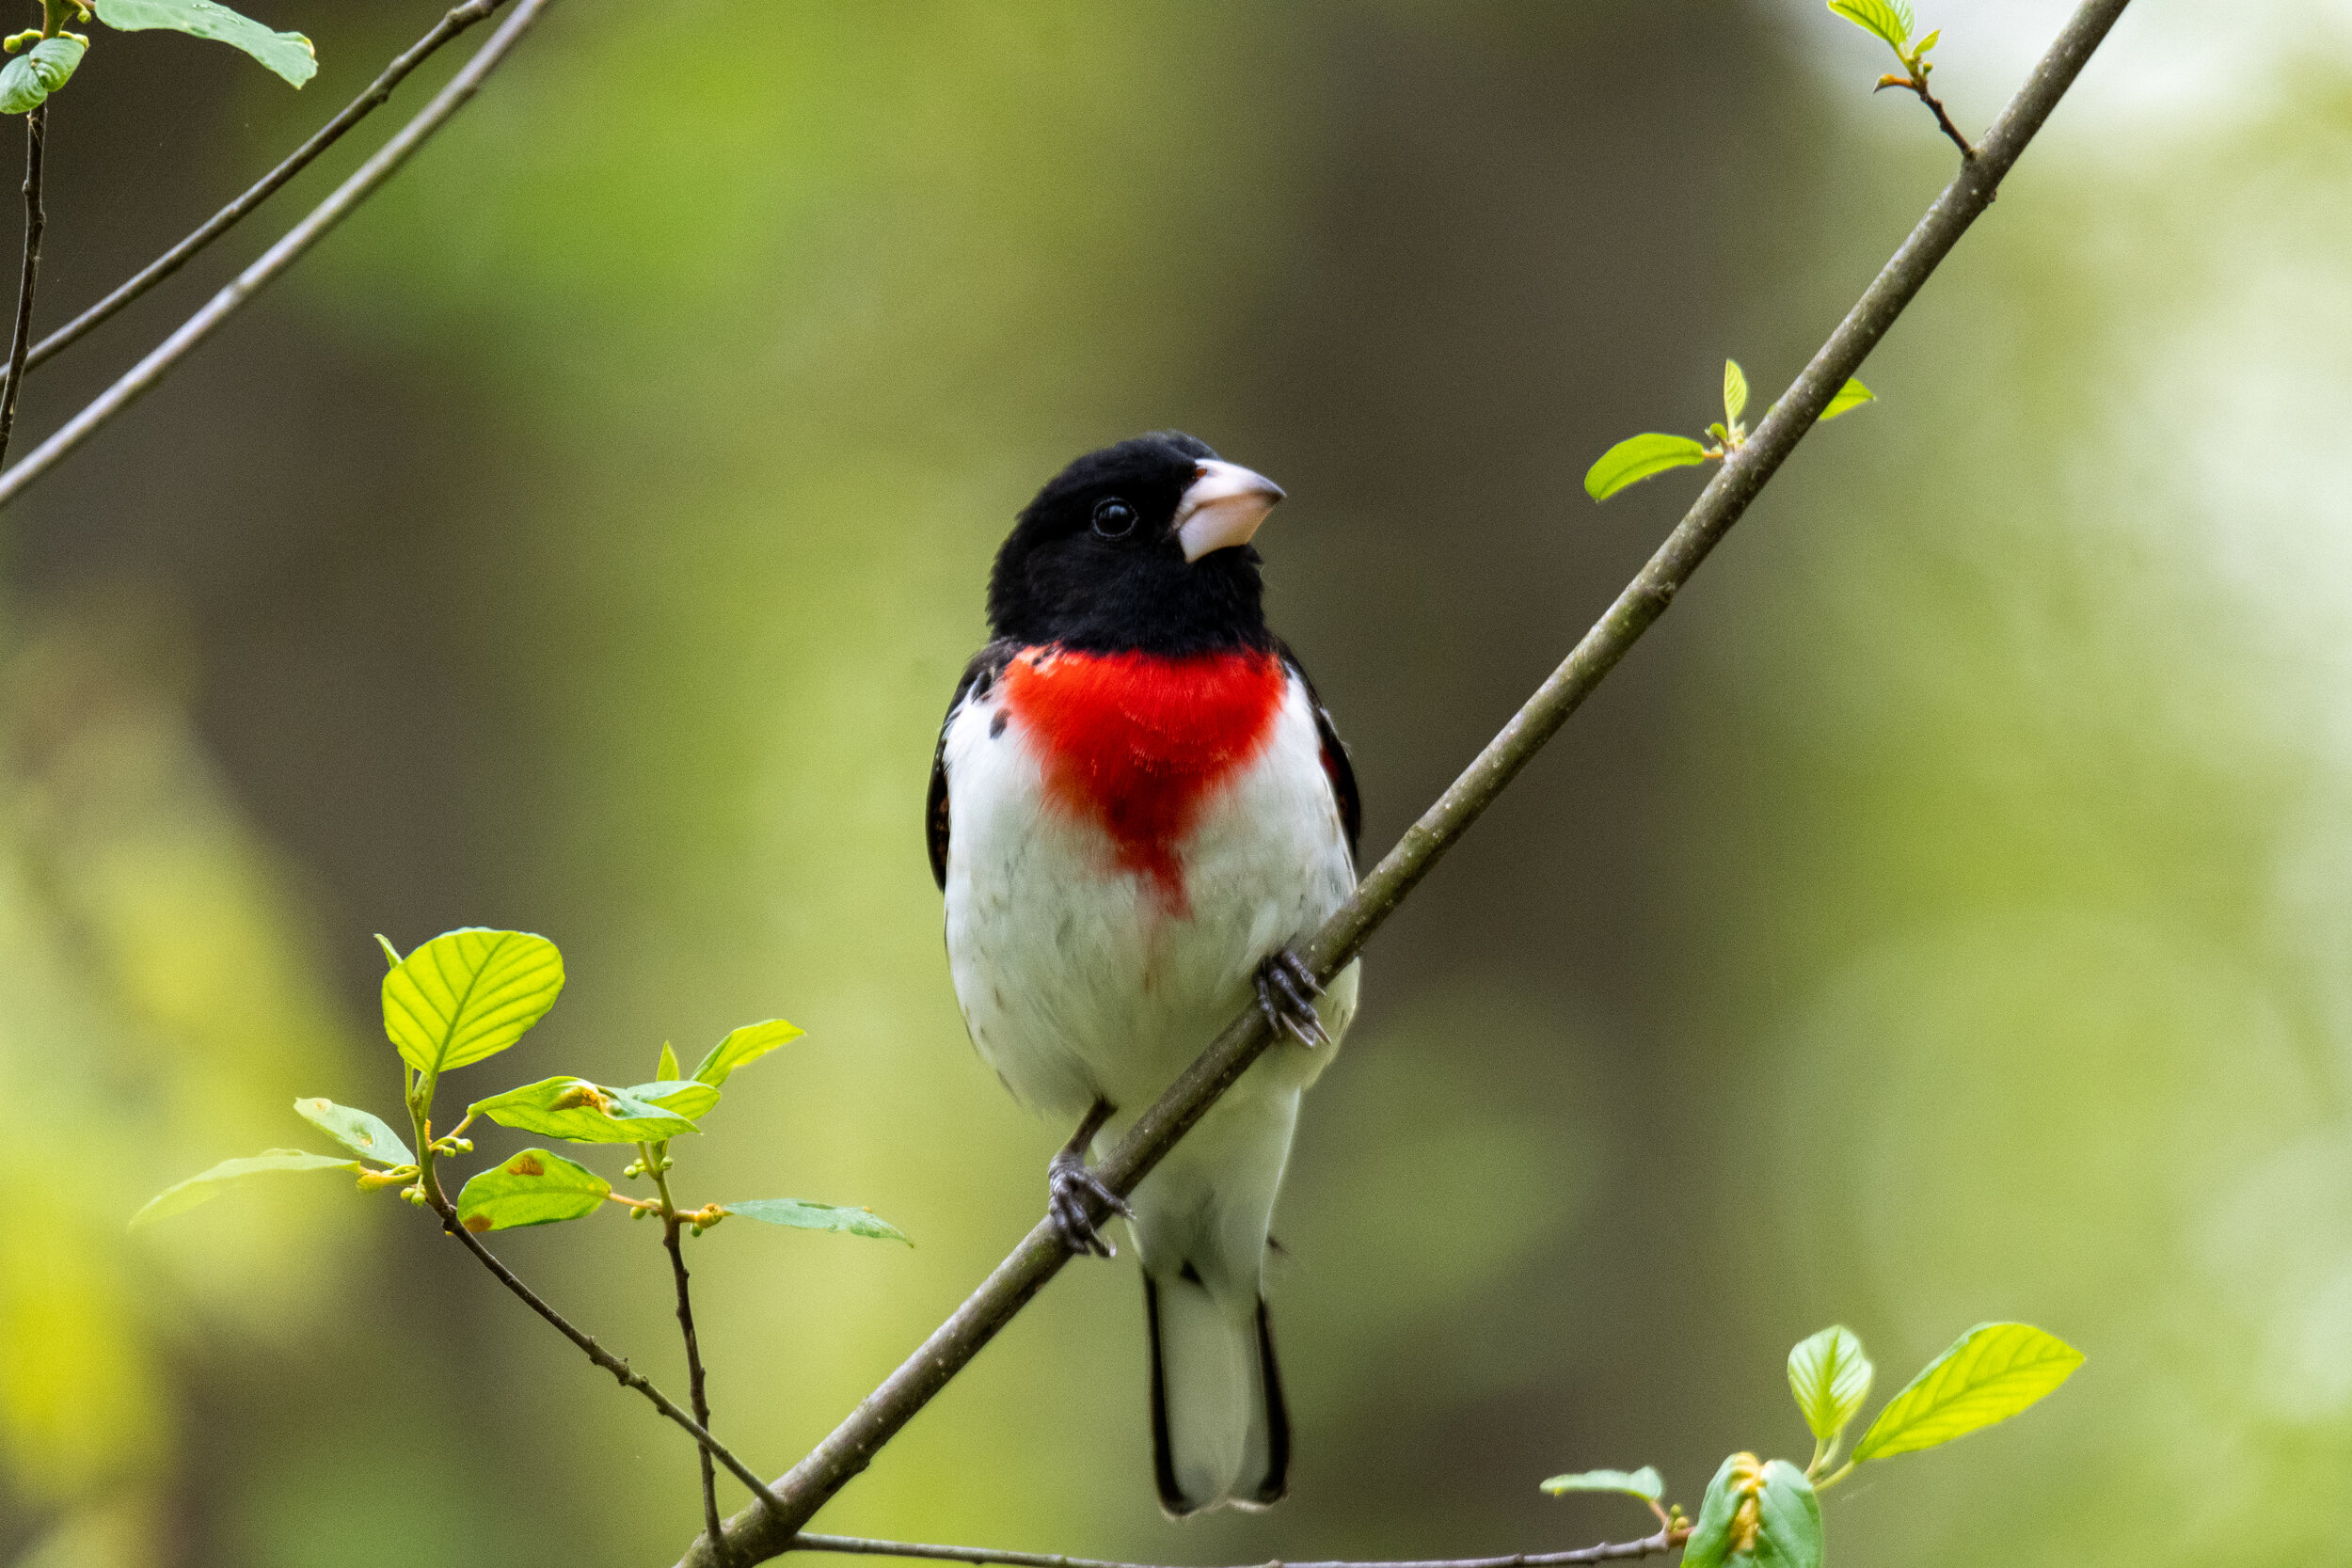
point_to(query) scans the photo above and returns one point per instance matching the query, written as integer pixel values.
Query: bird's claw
(1075, 1196)
(1286, 992)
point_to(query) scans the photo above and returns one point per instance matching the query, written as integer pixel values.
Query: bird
(1138, 808)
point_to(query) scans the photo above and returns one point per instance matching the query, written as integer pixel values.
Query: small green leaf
(580, 1112)
(665, 1066)
(1852, 395)
(27, 80)
(1877, 16)
(290, 55)
(1711, 1543)
(1636, 458)
(533, 1188)
(356, 1131)
(743, 1047)
(1831, 1377)
(1644, 1483)
(816, 1217)
(687, 1096)
(1735, 391)
(1926, 44)
(204, 1188)
(391, 954)
(1788, 1521)
(1993, 1371)
(467, 995)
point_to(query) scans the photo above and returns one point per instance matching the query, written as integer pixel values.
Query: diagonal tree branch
(769, 1527)
(1608, 1551)
(364, 181)
(171, 260)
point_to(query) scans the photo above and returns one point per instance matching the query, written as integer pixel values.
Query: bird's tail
(1219, 1431)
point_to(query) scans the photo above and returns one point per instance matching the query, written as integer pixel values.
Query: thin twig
(363, 183)
(671, 1223)
(228, 217)
(1916, 83)
(766, 1529)
(36, 139)
(1608, 1551)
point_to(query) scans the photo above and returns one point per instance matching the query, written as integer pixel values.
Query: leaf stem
(35, 141)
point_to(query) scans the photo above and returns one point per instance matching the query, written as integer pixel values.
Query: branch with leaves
(471, 994)
(1891, 19)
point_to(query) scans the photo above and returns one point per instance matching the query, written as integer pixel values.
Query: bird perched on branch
(1138, 806)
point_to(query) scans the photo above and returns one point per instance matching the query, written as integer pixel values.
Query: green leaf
(290, 55)
(204, 1188)
(1993, 1371)
(32, 76)
(533, 1188)
(1877, 16)
(1788, 1521)
(1756, 1516)
(580, 1112)
(687, 1096)
(1928, 43)
(356, 1131)
(665, 1066)
(1735, 391)
(467, 995)
(1710, 1543)
(743, 1047)
(816, 1217)
(1831, 1377)
(391, 954)
(1636, 458)
(1644, 1483)
(1852, 395)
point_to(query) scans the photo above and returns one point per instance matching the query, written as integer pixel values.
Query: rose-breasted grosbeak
(1138, 804)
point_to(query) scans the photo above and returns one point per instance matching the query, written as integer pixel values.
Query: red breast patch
(1137, 743)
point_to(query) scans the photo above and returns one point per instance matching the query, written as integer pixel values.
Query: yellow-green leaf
(1831, 1377)
(1877, 16)
(801, 1215)
(1852, 395)
(1993, 1371)
(743, 1047)
(665, 1066)
(583, 1113)
(290, 55)
(356, 1131)
(203, 1188)
(1644, 1483)
(533, 1188)
(467, 995)
(1636, 458)
(686, 1096)
(1735, 391)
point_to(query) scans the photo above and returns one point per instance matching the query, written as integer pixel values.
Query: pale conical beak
(1222, 507)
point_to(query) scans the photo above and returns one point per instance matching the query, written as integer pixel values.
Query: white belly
(1080, 982)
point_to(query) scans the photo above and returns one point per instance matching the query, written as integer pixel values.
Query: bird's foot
(1286, 993)
(1079, 1202)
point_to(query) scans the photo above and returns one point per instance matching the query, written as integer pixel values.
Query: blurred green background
(1944, 915)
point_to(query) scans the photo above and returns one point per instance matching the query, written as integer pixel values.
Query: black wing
(1335, 761)
(978, 676)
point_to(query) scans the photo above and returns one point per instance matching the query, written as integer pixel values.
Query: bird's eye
(1114, 518)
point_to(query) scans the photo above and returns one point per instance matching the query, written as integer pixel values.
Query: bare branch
(363, 183)
(1608, 1551)
(671, 1223)
(35, 140)
(171, 260)
(1916, 82)
(772, 1526)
